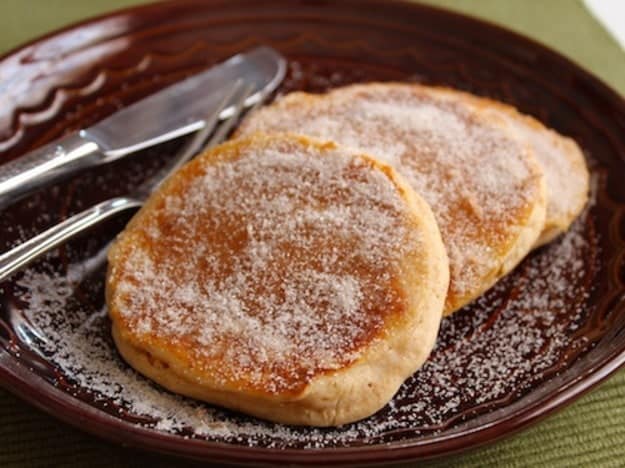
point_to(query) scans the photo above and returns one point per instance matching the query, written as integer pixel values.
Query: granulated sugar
(496, 348)
(267, 269)
(478, 179)
(560, 158)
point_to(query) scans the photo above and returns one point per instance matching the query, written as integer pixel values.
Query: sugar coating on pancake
(560, 158)
(483, 184)
(293, 280)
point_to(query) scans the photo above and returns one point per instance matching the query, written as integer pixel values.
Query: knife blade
(175, 111)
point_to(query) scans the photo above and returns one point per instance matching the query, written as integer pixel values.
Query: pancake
(560, 158)
(292, 280)
(484, 185)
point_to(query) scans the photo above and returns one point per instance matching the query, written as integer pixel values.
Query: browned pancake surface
(265, 264)
(560, 158)
(483, 184)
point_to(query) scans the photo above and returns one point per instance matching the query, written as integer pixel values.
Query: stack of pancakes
(300, 272)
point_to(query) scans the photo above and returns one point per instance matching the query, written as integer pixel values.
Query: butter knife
(172, 112)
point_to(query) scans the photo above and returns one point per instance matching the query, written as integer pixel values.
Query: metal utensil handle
(20, 256)
(50, 163)
(25, 253)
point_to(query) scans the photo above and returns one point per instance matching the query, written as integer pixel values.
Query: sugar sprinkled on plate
(497, 347)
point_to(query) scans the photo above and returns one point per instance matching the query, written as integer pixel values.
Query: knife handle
(45, 165)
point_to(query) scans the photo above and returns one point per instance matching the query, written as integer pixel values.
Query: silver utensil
(172, 112)
(236, 97)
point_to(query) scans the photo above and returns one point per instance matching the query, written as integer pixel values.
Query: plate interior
(557, 318)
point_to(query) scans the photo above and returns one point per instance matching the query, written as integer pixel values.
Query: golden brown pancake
(560, 158)
(289, 279)
(484, 185)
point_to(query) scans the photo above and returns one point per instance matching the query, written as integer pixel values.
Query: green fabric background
(591, 432)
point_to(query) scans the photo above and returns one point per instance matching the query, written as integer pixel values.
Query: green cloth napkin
(591, 432)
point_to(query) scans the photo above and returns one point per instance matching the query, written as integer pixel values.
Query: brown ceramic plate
(543, 336)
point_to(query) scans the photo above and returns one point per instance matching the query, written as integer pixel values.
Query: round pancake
(289, 279)
(483, 184)
(560, 158)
